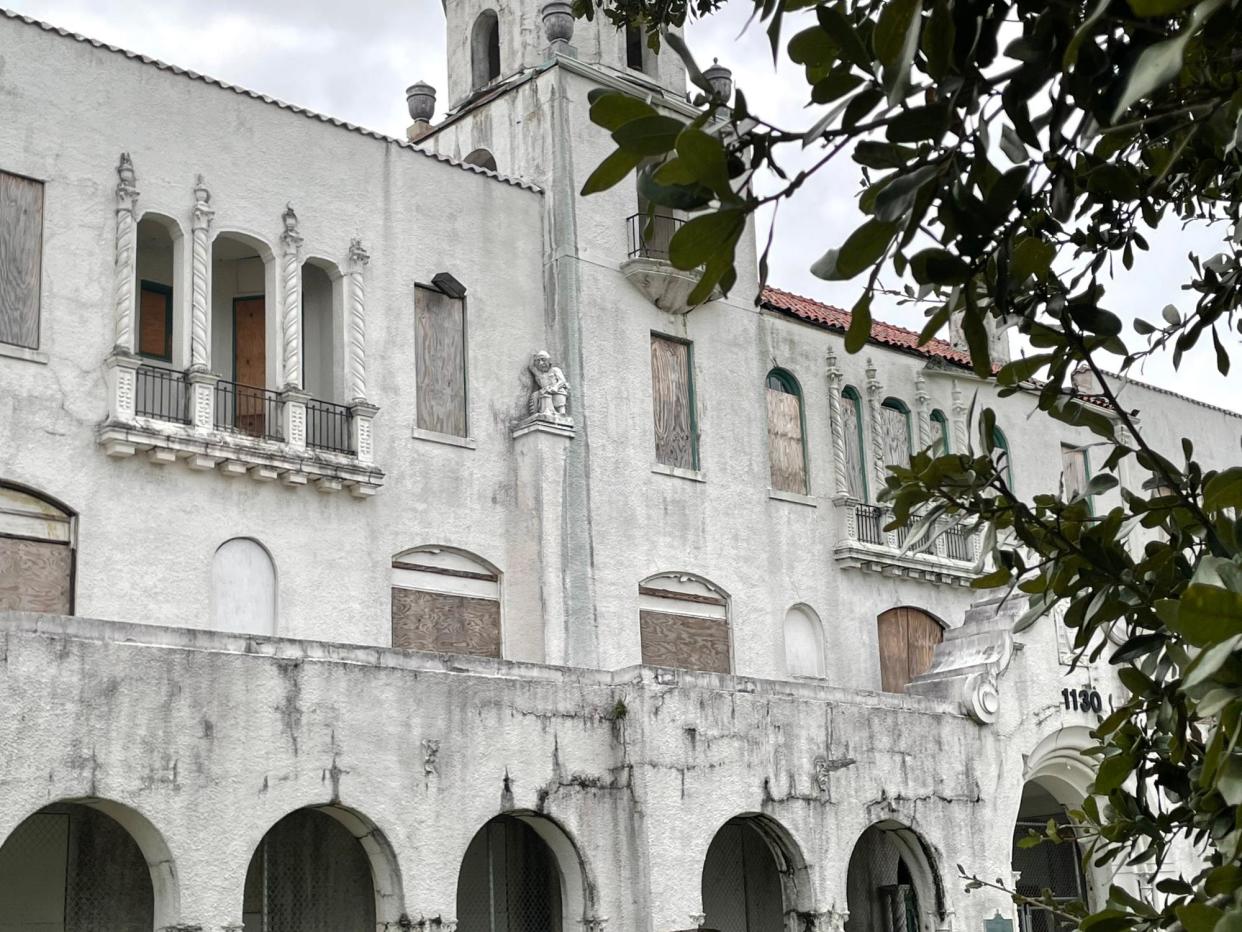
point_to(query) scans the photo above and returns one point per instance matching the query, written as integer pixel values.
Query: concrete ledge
(24, 353)
(693, 475)
(448, 440)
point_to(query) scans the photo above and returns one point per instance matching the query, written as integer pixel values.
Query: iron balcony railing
(958, 544)
(244, 409)
(650, 235)
(328, 426)
(161, 394)
(869, 523)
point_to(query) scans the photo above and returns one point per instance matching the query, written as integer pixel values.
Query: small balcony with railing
(648, 266)
(943, 552)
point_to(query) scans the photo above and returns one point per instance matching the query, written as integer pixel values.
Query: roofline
(263, 98)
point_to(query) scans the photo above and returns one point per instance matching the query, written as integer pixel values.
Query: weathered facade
(384, 544)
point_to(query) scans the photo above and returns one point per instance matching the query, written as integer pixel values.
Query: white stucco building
(327, 604)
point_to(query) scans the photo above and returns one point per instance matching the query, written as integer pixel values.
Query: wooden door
(908, 639)
(250, 364)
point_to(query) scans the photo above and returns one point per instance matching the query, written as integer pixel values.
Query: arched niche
(892, 882)
(482, 158)
(684, 622)
(522, 873)
(243, 588)
(322, 869)
(38, 540)
(804, 642)
(755, 878)
(87, 863)
(485, 49)
(446, 600)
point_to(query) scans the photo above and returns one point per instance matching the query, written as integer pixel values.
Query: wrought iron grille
(650, 236)
(328, 426)
(508, 881)
(958, 544)
(247, 410)
(161, 394)
(1056, 868)
(869, 523)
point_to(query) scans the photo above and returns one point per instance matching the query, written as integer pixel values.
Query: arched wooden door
(908, 639)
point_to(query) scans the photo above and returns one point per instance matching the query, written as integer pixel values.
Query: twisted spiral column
(126, 246)
(291, 308)
(875, 393)
(837, 426)
(200, 335)
(923, 407)
(961, 439)
(358, 260)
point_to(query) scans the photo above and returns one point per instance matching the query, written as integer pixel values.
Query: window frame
(165, 290)
(853, 396)
(692, 401)
(1085, 453)
(37, 347)
(892, 403)
(792, 387)
(938, 417)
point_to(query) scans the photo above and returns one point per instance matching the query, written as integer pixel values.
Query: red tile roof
(834, 318)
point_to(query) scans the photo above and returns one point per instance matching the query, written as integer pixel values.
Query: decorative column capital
(358, 256)
(126, 191)
(874, 387)
(291, 239)
(203, 211)
(833, 370)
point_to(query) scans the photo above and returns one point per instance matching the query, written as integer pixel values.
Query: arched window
(684, 622)
(37, 539)
(481, 158)
(485, 48)
(786, 444)
(243, 588)
(445, 600)
(908, 639)
(804, 642)
(1000, 455)
(855, 462)
(895, 429)
(939, 433)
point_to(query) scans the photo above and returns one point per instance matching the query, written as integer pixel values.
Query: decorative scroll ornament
(358, 259)
(837, 425)
(200, 343)
(126, 246)
(291, 311)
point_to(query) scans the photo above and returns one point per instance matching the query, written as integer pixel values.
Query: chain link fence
(741, 882)
(509, 881)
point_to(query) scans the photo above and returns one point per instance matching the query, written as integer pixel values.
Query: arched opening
(481, 158)
(445, 600)
(786, 432)
(638, 56)
(891, 884)
(38, 537)
(754, 878)
(160, 388)
(327, 418)
(243, 340)
(684, 622)
(310, 873)
(1056, 868)
(86, 865)
(908, 638)
(804, 642)
(485, 49)
(520, 873)
(895, 431)
(939, 433)
(855, 459)
(243, 588)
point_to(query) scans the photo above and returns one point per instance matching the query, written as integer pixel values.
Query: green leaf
(612, 110)
(992, 580)
(1208, 615)
(1031, 256)
(1112, 773)
(1198, 917)
(896, 198)
(896, 39)
(1158, 7)
(938, 267)
(862, 250)
(1012, 146)
(1022, 369)
(706, 237)
(1085, 30)
(1208, 662)
(1229, 780)
(1224, 490)
(860, 325)
(611, 171)
(648, 135)
(938, 40)
(883, 155)
(705, 156)
(813, 47)
(919, 123)
(845, 35)
(834, 87)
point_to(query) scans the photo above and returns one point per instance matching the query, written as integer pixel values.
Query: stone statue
(551, 392)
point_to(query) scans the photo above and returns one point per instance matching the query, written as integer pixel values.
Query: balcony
(946, 554)
(210, 423)
(648, 267)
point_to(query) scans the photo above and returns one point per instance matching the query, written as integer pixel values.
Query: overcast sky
(354, 60)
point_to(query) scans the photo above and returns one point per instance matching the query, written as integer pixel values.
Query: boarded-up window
(855, 469)
(672, 401)
(683, 622)
(440, 362)
(445, 601)
(939, 433)
(895, 428)
(1075, 473)
(908, 639)
(786, 453)
(155, 321)
(21, 253)
(36, 554)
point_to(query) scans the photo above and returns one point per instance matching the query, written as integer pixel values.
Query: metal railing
(926, 544)
(328, 426)
(244, 409)
(958, 544)
(869, 521)
(650, 236)
(161, 394)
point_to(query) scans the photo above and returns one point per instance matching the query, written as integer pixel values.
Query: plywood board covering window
(786, 453)
(851, 418)
(440, 362)
(21, 254)
(445, 601)
(672, 402)
(683, 623)
(1074, 471)
(36, 554)
(895, 424)
(908, 639)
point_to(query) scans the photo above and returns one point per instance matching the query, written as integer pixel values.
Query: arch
(323, 333)
(939, 432)
(684, 623)
(244, 333)
(855, 445)
(123, 872)
(482, 158)
(322, 869)
(243, 588)
(787, 458)
(1001, 455)
(907, 637)
(447, 600)
(158, 287)
(531, 874)
(485, 49)
(755, 878)
(892, 873)
(804, 642)
(38, 551)
(895, 425)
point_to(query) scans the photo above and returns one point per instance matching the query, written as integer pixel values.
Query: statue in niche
(550, 396)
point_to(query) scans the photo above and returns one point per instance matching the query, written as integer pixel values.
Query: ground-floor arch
(892, 884)
(754, 878)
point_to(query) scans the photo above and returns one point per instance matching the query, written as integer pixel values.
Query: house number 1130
(1082, 700)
